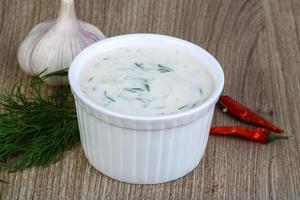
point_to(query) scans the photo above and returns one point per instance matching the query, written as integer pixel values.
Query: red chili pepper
(245, 114)
(261, 135)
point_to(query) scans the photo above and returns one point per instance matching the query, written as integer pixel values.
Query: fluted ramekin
(143, 150)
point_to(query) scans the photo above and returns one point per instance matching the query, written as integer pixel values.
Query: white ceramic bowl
(144, 150)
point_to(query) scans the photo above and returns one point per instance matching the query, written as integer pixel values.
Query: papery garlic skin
(52, 45)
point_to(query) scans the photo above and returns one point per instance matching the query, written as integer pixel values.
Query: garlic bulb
(52, 45)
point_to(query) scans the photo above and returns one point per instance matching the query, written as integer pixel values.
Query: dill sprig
(36, 129)
(140, 65)
(134, 90)
(147, 87)
(164, 69)
(108, 97)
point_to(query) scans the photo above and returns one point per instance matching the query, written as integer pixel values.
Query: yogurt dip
(126, 89)
(147, 80)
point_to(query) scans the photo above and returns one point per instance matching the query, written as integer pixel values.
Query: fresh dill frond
(201, 91)
(147, 87)
(109, 98)
(134, 90)
(182, 107)
(36, 129)
(140, 65)
(164, 69)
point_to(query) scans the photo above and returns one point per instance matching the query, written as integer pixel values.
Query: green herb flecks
(147, 87)
(134, 90)
(137, 89)
(140, 99)
(109, 98)
(182, 107)
(200, 91)
(145, 102)
(190, 106)
(146, 84)
(36, 129)
(94, 88)
(195, 104)
(140, 65)
(163, 69)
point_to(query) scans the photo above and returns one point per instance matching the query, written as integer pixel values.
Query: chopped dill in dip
(147, 81)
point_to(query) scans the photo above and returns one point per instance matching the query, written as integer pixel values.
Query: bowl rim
(76, 65)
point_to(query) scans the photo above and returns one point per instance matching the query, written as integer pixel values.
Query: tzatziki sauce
(147, 81)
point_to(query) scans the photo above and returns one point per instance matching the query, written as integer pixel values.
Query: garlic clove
(52, 45)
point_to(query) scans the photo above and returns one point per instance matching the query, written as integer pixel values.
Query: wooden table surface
(258, 44)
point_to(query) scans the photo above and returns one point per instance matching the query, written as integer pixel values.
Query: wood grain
(258, 44)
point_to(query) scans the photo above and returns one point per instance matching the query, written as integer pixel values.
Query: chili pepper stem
(272, 136)
(224, 107)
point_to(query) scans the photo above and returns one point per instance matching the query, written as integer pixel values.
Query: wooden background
(258, 44)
